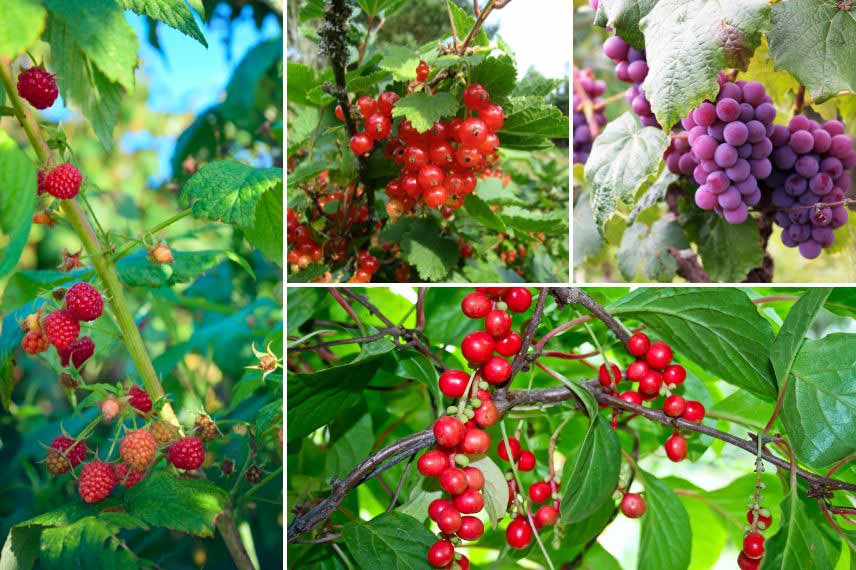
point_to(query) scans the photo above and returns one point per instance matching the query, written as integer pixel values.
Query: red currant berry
(694, 412)
(526, 461)
(453, 383)
(477, 347)
(633, 505)
(441, 553)
(545, 516)
(408, 133)
(476, 97)
(340, 114)
(518, 299)
(436, 508)
(676, 447)
(674, 406)
(415, 157)
(638, 344)
(361, 144)
(430, 176)
(763, 522)
(490, 144)
(659, 355)
(441, 154)
(449, 431)
(471, 528)
(378, 126)
(518, 534)
(475, 478)
(540, 492)
(651, 383)
(753, 545)
(453, 481)
(475, 442)
(487, 414)
(609, 377)
(432, 463)
(386, 101)
(493, 116)
(631, 397)
(468, 157)
(511, 442)
(469, 502)
(509, 345)
(746, 563)
(463, 563)
(497, 323)
(435, 197)
(449, 520)
(411, 187)
(367, 106)
(637, 370)
(496, 370)
(473, 132)
(674, 374)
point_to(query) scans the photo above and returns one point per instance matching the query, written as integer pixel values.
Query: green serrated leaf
(647, 250)
(530, 122)
(653, 195)
(527, 220)
(424, 246)
(85, 543)
(173, 13)
(479, 210)
(23, 22)
(423, 110)
(138, 271)
(497, 74)
(464, 24)
(266, 234)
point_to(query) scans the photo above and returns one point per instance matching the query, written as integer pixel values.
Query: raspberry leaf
(174, 13)
(139, 271)
(77, 544)
(16, 172)
(23, 21)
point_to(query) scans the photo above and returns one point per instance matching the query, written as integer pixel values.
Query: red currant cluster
(657, 376)
(759, 519)
(367, 264)
(518, 534)
(305, 250)
(61, 328)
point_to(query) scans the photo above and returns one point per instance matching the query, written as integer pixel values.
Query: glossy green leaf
(666, 540)
(174, 13)
(390, 540)
(787, 342)
(591, 478)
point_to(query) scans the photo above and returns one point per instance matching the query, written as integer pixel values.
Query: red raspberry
(126, 476)
(74, 453)
(187, 453)
(35, 342)
(38, 87)
(96, 481)
(62, 329)
(77, 352)
(140, 400)
(138, 449)
(64, 181)
(84, 302)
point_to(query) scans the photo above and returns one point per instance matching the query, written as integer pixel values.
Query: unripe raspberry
(96, 481)
(126, 476)
(110, 408)
(187, 453)
(227, 467)
(38, 87)
(140, 400)
(64, 181)
(162, 254)
(35, 342)
(138, 449)
(163, 432)
(84, 302)
(77, 352)
(206, 429)
(62, 329)
(74, 453)
(254, 474)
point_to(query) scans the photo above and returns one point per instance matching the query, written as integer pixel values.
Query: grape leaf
(647, 249)
(423, 110)
(587, 240)
(717, 328)
(17, 181)
(689, 42)
(654, 194)
(728, 252)
(424, 246)
(761, 68)
(624, 16)
(174, 13)
(666, 541)
(23, 22)
(390, 540)
(819, 406)
(814, 40)
(624, 157)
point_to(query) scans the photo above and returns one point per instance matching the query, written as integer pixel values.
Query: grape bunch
(730, 141)
(584, 135)
(631, 67)
(679, 156)
(810, 178)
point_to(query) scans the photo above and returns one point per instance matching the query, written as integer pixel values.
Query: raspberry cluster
(656, 377)
(586, 87)
(459, 434)
(631, 67)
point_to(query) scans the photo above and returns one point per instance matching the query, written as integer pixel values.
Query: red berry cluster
(367, 264)
(61, 328)
(759, 519)
(305, 250)
(657, 376)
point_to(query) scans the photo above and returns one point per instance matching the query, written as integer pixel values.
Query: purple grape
(736, 133)
(583, 138)
(737, 215)
(728, 110)
(802, 142)
(810, 249)
(631, 67)
(730, 199)
(705, 115)
(725, 155)
(822, 141)
(807, 166)
(616, 48)
(705, 199)
(740, 171)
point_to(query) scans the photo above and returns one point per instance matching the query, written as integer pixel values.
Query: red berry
(487, 414)
(411, 187)
(84, 302)
(497, 323)
(468, 157)
(453, 481)
(651, 383)
(367, 106)
(422, 71)
(676, 447)
(126, 476)
(674, 374)
(378, 126)
(476, 305)
(746, 563)
(509, 345)
(763, 522)
(518, 534)
(471, 528)
(435, 197)
(38, 87)
(187, 453)
(631, 397)
(453, 383)
(545, 516)
(140, 400)
(637, 370)
(540, 491)
(432, 463)
(78, 352)
(386, 101)
(64, 181)
(475, 442)
(490, 144)
(436, 508)
(477, 347)
(463, 562)
(441, 553)
(753, 545)
(496, 370)
(361, 144)
(61, 329)
(633, 505)
(96, 481)
(518, 299)
(138, 449)
(476, 97)
(674, 406)
(64, 454)
(448, 430)
(659, 355)
(35, 342)
(475, 478)
(503, 446)
(430, 177)
(473, 132)
(469, 502)
(441, 154)
(340, 114)
(638, 344)
(694, 412)
(526, 461)
(609, 377)
(493, 116)
(449, 520)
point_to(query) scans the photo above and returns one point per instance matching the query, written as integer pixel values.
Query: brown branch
(420, 308)
(521, 360)
(576, 296)
(364, 301)
(688, 265)
(234, 543)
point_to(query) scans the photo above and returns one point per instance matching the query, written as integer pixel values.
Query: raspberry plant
(433, 161)
(141, 320)
(735, 159)
(411, 445)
